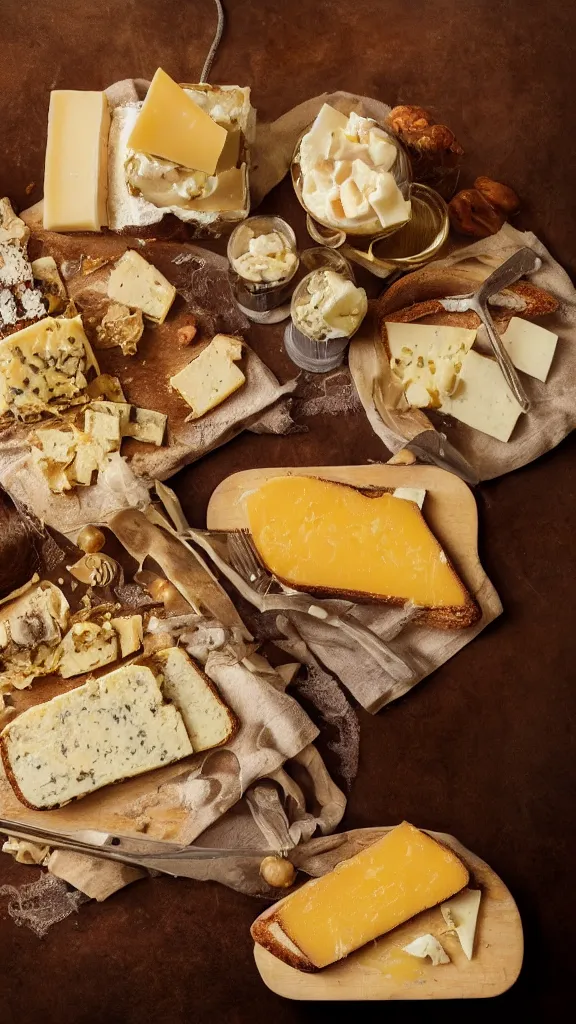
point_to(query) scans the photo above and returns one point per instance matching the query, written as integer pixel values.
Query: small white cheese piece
(12, 228)
(353, 201)
(212, 377)
(136, 283)
(482, 398)
(109, 729)
(146, 425)
(414, 494)
(316, 142)
(382, 150)
(428, 945)
(427, 360)
(530, 347)
(87, 646)
(388, 202)
(121, 328)
(461, 914)
(335, 307)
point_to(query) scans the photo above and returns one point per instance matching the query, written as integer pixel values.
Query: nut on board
(500, 196)
(471, 214)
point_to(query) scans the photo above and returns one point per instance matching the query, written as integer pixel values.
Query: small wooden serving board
(449, 508)
(383, 971)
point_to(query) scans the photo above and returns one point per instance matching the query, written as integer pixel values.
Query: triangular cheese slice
(172, 126)
(325, 537)
(461, 914)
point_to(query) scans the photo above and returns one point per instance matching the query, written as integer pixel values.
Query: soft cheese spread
(331, 306)
(266, 258)
(347, 174)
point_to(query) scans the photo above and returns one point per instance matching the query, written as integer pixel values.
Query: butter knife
(525, 261)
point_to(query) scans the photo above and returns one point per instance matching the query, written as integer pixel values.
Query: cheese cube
(212, 377)
(136, 283)
(172, 126)
(76, 170)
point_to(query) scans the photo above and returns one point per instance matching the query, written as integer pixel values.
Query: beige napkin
(553, 412)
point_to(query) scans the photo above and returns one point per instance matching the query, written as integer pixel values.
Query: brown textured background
(484, 748)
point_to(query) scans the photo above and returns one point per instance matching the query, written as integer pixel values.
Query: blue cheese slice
(212, 377)
(109, 729)
(44, 367)
(135, 283)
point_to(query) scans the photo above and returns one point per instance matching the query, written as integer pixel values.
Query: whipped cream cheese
(347, 178)
(267, 258)
(164, 183)
(333, 307)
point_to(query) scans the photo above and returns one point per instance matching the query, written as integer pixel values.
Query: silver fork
(246, 560)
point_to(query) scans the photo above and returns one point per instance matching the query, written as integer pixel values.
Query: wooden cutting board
(449, 508)
(383, 971)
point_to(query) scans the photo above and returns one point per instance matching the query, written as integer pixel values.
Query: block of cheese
(136, 283)
(329, 538)
(76, 170)
(209, 721)
(482, 398)
(212, 377)
(44, 367)
(364, 897)
(530, 347)
(172, 126)
(427, 359)
(109, 729)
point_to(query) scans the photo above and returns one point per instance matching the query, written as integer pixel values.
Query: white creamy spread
(267, 258)
(165, 183)
(347, 179)
(334, 308)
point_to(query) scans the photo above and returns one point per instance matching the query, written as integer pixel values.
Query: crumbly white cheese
(31, 628)
(44, 367)
(111, 728)
(47, 278)
(333, 308)
(19, 299)
(266, 258)
(207, 719)
(120, 327)
(428, 945)
(347, 179)
(427, 360)
(12, 228)
(136, 283)
(86, 647)
(212, 377)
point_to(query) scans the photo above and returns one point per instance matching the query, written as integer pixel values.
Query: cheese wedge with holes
(76, 171)
(138, 284)
(364, 897)
(333, 539)
(172, 126)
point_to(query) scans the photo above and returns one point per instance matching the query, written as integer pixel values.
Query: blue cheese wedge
(135, 283)
(112, 728)
(44, 367)
(212, 377)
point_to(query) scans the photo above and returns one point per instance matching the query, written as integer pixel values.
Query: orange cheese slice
(364, 897)
(331, 538)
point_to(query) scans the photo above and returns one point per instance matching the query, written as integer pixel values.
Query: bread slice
(109, 729)
(209, 721)
(336, 540)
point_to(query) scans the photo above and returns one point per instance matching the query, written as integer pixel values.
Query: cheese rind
(111, 728)
(364, 897)
(172, 126)
(324, 536)
(75, 176)
(212, 377)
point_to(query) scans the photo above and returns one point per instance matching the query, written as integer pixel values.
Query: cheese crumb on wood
(136, 283)
(120, 328)
(428, 945)
(212, 377)
(109, 729)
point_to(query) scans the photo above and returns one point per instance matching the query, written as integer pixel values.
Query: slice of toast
(209, 721)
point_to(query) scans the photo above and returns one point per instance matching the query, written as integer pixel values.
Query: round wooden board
(449, 508)
(383, 971)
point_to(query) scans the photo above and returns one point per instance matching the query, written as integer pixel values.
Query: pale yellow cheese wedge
(385, 885)
(172, 126)
(75, 176)
(331, 538)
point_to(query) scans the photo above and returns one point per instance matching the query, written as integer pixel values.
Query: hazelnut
(409, 119)
(162, 590)
(90, 539)
(501, 197)
(278, 872)
(472, 214)
(186, 334)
